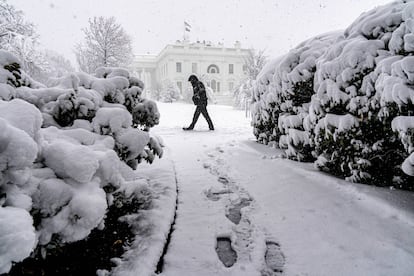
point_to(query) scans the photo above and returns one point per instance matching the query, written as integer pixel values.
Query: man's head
(193, 79)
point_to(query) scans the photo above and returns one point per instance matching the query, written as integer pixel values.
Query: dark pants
(203, 110)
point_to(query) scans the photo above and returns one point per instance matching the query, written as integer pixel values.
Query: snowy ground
(293, 217)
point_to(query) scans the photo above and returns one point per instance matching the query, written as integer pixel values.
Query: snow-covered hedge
(243, 94)
(289, 96)
(64, 151)
(346, 99)
(170, 92)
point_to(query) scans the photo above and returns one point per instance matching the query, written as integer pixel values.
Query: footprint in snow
(220, 150)
(274, 258)
(234, 212)
(225, 251)
(223, 180)
(216, 195)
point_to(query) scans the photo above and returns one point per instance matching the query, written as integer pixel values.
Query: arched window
(213, 69)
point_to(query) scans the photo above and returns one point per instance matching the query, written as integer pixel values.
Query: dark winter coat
(200, 96)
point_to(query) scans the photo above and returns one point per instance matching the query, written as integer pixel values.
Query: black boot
(187, 128)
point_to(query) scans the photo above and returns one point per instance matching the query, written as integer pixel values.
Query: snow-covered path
(293, 218)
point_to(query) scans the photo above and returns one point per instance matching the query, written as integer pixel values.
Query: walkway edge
(152, 226)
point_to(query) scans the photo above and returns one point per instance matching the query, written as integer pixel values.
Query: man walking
(200, 100)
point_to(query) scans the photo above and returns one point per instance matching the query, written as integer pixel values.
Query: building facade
(220, 68)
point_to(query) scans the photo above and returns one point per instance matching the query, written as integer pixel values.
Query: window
(231, 86)
(214, 85)
(245, 68)
(194, 68)
(178, 67)
(180, 86)
(213, 69)
(231, 69)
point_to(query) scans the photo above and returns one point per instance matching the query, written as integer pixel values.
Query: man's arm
(202, 92)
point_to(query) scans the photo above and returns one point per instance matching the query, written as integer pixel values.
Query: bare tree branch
(105, 44)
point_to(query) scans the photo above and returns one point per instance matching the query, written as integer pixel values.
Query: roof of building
(183, 47)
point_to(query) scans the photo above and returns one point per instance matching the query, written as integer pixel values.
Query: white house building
(220, 68)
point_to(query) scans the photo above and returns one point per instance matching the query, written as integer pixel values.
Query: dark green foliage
(132, 99)
(303, 92)
(145, 114)
(265, 131)
(14, 68)
(65, 111)
(339, 153)
(386, 158)
(304, 153)
(68, 108)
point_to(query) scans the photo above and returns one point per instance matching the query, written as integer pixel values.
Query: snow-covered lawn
(293, 217)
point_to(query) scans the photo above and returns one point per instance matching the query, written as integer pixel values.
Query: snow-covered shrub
(9, 69)
(211, 98)
(283, 94)
(170, 92)
(109, 72)
(408, 165)
(265, 109)
(243, 94)
(112, 88)
(132, 97)
(130, 145)
(64, 151)
(187, 94)
(253, 64)
(346, 99)
(110, 120)
(294, 81)
(134, 81)
(145, 114)
(339, 103)
(404, 126)
(6, 92)
(366, 76)
(18, 151)
(17, 236)
(80, 96)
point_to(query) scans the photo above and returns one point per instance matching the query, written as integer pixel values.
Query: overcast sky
(273, 25)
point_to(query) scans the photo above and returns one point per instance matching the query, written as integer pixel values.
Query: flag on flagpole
(187, 27)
